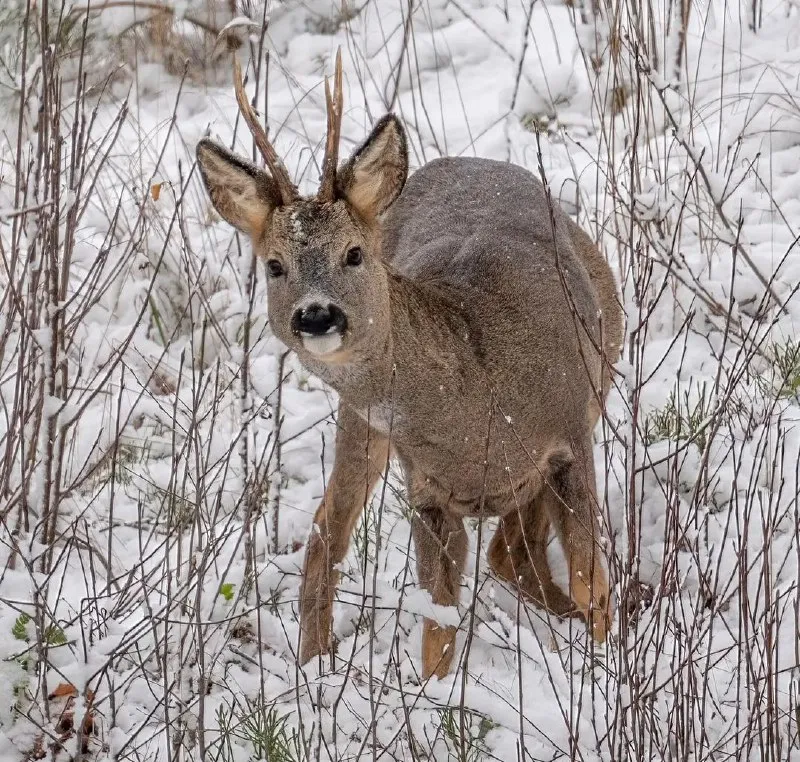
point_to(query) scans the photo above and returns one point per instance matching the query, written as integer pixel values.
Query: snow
(206, 468)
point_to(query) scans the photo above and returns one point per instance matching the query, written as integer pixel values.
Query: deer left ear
(375, 174)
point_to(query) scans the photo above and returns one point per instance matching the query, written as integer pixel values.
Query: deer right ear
(244, 195)
(375, 174)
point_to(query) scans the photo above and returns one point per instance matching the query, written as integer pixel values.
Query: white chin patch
(322, 345)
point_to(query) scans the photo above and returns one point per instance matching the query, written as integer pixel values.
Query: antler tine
(334, 104)
(280, 174)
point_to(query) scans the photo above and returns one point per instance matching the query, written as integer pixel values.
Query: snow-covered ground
(155, 497)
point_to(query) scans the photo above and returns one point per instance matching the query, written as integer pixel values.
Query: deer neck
(419, 328)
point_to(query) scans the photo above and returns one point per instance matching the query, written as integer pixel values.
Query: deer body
(477, 309)
(468, 329)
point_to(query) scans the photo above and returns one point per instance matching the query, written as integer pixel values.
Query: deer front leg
(360, 460)
(440, 542)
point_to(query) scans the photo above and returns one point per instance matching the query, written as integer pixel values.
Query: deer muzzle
(321, 328)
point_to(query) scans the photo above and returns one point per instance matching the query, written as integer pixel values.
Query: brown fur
(481, 331)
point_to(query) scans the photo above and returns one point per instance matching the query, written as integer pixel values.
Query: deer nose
(316, 320)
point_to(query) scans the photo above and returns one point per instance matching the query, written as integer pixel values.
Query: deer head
(328, 288)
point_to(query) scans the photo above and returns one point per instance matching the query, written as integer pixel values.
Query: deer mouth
(321, 344)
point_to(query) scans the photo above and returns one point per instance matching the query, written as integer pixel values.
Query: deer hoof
(438, 647)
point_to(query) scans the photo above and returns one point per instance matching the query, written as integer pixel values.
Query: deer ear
(244, 195)
(375, 174)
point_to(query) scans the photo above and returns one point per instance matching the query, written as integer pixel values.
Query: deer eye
(275, 268)
(354, 257)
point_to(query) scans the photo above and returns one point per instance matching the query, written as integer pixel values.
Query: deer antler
(327, 189)
(280, 174)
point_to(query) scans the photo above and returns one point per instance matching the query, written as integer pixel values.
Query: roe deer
(469, 328)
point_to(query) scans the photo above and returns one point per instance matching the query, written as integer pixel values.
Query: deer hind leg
(440, 542)
(570, 499)
(518, 555)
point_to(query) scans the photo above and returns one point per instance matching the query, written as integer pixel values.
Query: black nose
(317, 320)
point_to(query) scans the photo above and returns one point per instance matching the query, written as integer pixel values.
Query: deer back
(529, 284)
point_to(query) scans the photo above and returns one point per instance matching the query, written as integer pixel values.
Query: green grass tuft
(263, 729)
(680, 419)
(786, 374)
(465, 733)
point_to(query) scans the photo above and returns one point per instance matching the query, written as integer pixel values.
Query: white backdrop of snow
(460, 92)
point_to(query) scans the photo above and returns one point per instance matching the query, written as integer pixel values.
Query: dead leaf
(63, 711)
